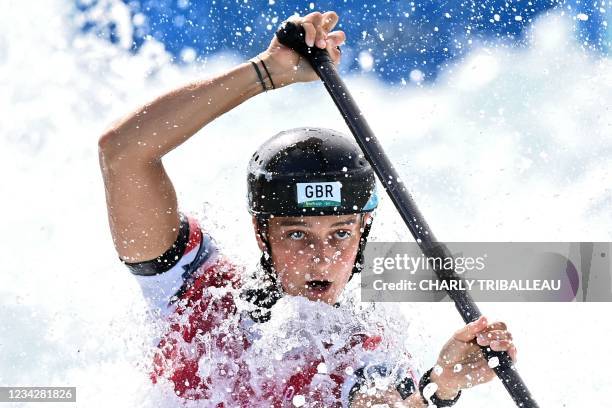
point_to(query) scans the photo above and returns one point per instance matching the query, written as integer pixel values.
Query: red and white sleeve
(164, 279)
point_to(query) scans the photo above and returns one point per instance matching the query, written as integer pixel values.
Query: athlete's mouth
(319, 285)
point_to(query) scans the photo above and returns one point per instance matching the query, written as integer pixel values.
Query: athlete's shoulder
(188, 240)
(192, 263)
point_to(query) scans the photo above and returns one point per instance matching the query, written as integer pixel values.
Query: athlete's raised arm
(141, 201)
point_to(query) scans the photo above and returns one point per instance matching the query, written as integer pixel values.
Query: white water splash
(520, 151)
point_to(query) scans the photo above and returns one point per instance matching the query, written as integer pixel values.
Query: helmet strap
(270, 291)
(358, 265)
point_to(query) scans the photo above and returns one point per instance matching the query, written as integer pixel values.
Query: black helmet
(305, 171)
(310, 171)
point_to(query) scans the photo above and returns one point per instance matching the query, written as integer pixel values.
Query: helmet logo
(319, 194)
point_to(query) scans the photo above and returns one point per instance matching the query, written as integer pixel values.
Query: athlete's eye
(342, 234)
(296, 235)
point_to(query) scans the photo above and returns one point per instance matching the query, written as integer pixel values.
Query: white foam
(522, 152)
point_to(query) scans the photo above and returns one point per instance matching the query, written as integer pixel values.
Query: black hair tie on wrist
(261, 80)
(268, 72)
(440, 403)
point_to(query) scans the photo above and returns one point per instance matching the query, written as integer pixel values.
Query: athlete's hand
(463, 364)
(286, 66)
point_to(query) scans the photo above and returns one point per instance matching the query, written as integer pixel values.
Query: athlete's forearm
(163, 124)
(141, 200)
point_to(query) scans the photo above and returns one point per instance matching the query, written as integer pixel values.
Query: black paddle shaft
(292, 35)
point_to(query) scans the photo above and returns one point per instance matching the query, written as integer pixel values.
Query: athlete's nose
(323, 253)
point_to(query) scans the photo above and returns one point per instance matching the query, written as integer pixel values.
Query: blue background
(400, 35)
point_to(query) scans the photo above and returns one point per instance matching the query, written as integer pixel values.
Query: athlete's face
(314, 256)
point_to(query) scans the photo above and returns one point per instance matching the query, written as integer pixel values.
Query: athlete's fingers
(316, 19)
(469, 331)
(497, 326)
(500, 345)
(321, 40)
(513, 353)
(316, 26)
(329, 21)
(486, 337)
(309, 29)
(334, 40)
(311, 33)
